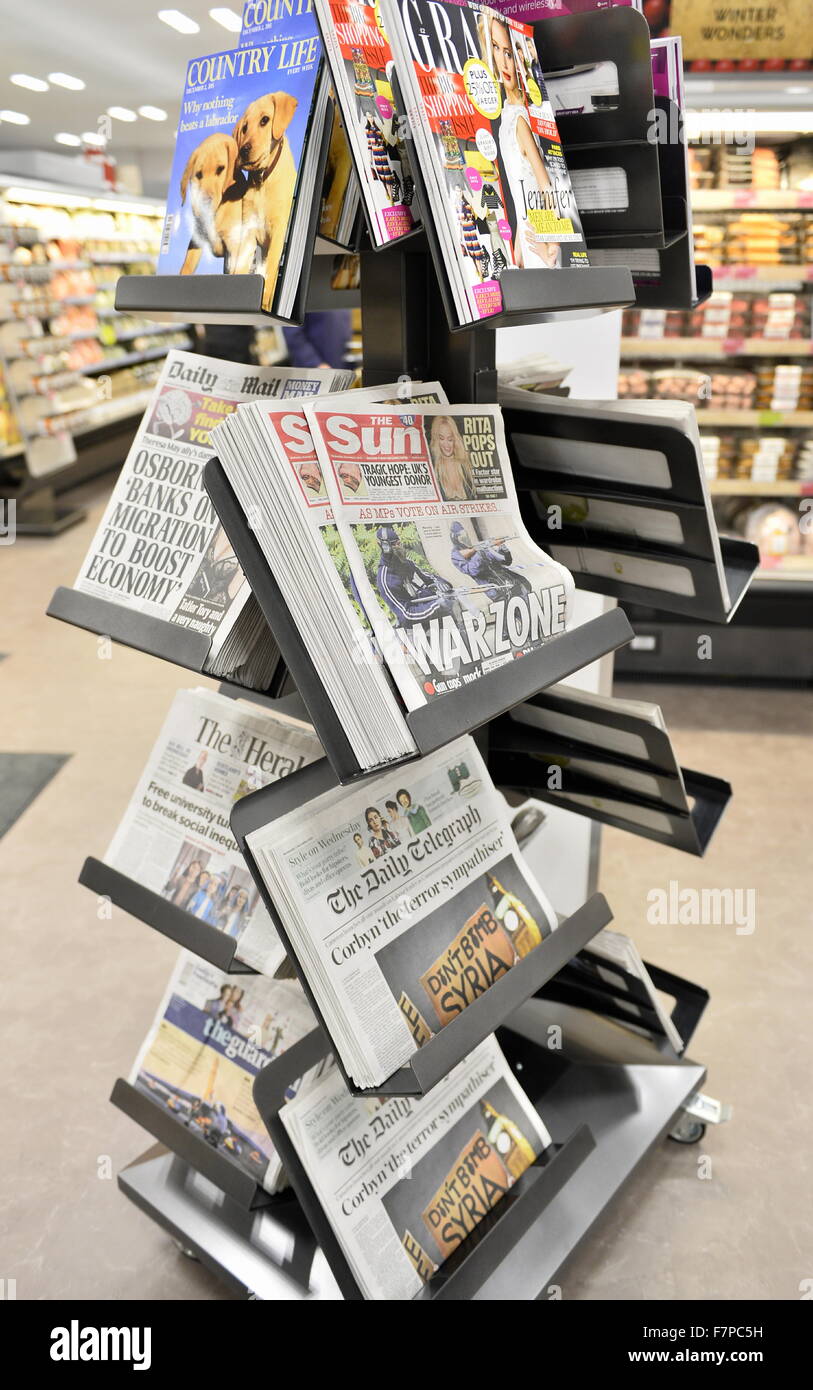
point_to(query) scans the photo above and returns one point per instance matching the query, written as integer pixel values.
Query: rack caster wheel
(687, 1130)
(184, 1249)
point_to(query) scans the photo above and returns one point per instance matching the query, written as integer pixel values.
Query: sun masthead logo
(75, 1343)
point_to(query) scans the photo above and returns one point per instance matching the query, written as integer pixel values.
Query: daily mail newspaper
(427, 511)
(210, 1037)
(405, 900)
(404, 1182)
(159, 547)
(175, 836)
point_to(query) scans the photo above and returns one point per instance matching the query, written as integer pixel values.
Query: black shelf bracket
(181, 927)
(170, 1131)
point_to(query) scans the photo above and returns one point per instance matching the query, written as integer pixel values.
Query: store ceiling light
(92, 137)
(228, 18)
(64, 138)
(176, 20)
(723, 122)
(121, 113)
(152, 113)
(34, 84)
(64, 79)
(15, 118)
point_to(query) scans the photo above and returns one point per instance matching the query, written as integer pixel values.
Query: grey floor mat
(22, 777)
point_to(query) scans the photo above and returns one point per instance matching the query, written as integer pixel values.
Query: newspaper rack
(451, 1044)
(191, 1146)
(680, 501)
(606, 1117)
(200, 937)
(516, 764)
(483, 1251)
(445, 718)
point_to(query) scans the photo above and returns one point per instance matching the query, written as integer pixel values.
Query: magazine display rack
(604, 1115)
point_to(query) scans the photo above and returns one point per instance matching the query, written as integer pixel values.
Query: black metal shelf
(181, 927)
(170, 1131)
(155, 636)
(224, 298)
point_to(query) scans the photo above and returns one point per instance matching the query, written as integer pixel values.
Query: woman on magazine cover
(520, 156)
(451, 461)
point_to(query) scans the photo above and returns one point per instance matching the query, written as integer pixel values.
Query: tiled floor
(79, 992)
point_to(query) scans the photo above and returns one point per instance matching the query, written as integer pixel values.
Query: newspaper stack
(403, 1183)
(396, 539)
(209, 1038)
(404, 900)
(159, 549)
(175, 838)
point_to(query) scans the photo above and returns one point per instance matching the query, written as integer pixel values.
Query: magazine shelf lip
(191, 1147)
(149, 907)
(448, 716)
(690, 1003)
(740, 564)
(457, 1039)
(465, 710)
(522, 1206)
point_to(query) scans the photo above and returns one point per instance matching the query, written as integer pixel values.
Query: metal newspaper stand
(604, 1115)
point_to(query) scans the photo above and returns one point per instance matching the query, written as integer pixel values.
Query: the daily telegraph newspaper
(210, 1037)
(175, 836)
(427, 511)
(159, 548)
(404, 900)
(405, 1182)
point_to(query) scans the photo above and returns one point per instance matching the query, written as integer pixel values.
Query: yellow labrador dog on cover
(209, 172)
(252, 219)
